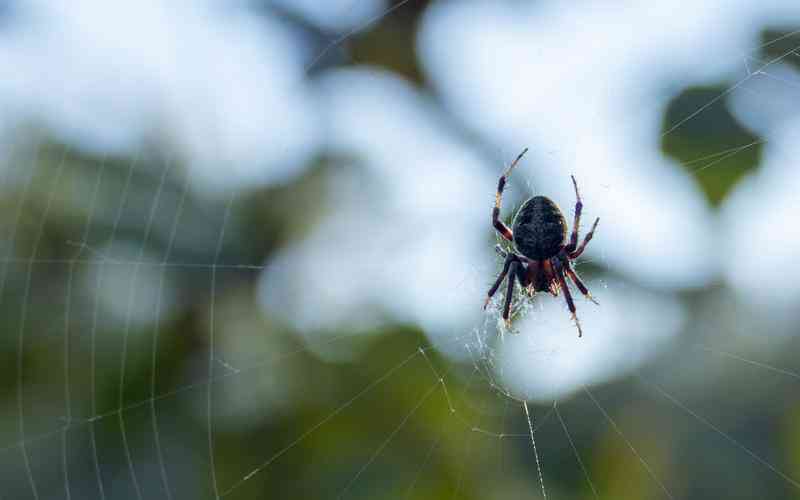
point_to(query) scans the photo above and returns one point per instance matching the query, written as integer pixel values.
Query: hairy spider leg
(499, 225)
(573, 239)
(510, 257)
(575, 279)
(550, 278)
(510, 292)
(577, 253)
(522, 277)
(559, 269)
(532, 274)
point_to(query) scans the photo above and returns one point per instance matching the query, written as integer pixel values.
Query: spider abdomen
(540, 229)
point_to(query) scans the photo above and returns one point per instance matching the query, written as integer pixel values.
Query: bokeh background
(245, 246)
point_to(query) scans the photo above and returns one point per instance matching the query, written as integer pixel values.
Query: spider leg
(549, 282)
(575, 279)
(523, 277)
(575, 254)
(498, 224)
(510, 293)
(559, 269)
(573, 239)
(532, 274)
(510, 257)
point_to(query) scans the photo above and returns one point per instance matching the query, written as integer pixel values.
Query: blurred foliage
(712, 145)
(783, 44)
(390, 44)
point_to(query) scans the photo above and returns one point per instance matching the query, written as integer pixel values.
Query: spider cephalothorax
(541, 256)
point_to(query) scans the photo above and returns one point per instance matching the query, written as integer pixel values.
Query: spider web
(94, 408)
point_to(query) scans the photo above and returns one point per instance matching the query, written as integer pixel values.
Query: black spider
(541, 255)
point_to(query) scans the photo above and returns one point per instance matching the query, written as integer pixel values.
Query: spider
(540, 257)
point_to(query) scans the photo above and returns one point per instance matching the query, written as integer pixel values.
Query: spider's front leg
(498, 224)
(548, 281)
(529, 276)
